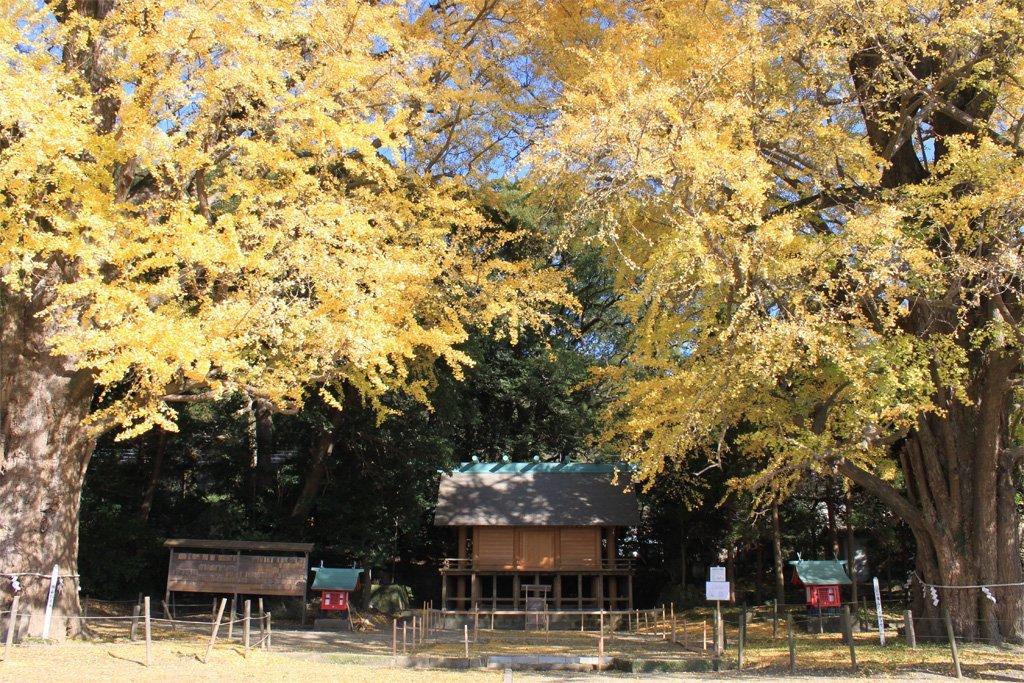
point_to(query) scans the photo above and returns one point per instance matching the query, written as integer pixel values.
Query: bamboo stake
(952, 642)
(12, 625)
(136, 613)
(792, 643)
(216, 627)
(263, 623)
(741, 639)
(246, 616)
(231, 618)
(149, 634)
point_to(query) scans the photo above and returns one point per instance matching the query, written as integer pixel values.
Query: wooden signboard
(194, 572)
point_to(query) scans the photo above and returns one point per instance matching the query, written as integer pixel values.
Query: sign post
(878, 610)
(54, 578)
(718, 589)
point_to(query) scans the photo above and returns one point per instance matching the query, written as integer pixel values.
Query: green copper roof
(331, 579)
(525, 467)
(821, 572)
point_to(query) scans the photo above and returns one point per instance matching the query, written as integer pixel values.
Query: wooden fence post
(742, 637)
(792, 643)
(476, 624)
(775, 619)
(414, 632)
(12, 625)
(263, 623)
(394, 637)
(231, 618)
(705, 635)
(674, 623)
(908, 629)
(216, 627)
(149, 633)
(405, 637)
(952, 642)
(848, 634)
(270, 631)
(465, 638)
(600, 645)
(246, 616)
(664, 624)
(136, 612)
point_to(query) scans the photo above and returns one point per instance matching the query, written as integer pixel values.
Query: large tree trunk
(320, 454)
(780, 581)
(156, 465)
(44, 451)
(851, 553)
(957, 464)
(960, 504)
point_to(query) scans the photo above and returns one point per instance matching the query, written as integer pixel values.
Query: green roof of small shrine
(821, 572)
(335, 579)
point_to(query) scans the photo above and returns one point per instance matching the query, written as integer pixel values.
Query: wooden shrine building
(543, 531)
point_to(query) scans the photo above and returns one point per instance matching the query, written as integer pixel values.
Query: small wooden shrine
(335, 586)
(523, 527)
(823, 581)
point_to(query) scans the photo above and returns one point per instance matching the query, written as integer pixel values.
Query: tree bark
(44, 451)
(780, 581)
(960, 505)
(154, 475)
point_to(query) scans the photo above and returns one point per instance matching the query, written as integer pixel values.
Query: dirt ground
(178, 649)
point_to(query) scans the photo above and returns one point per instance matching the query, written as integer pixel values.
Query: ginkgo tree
(204, 199)
(818, 210)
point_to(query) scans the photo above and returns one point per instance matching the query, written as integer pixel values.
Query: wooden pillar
(579, 593)
(557, 588)
(474, 592)
(629, 591)
(460, 580)
(610, 553)
(599, 591)
(444, 592)
(494, 597)
(515, 592)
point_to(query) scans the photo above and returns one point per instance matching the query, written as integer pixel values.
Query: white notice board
(716, 590)
(717, 573)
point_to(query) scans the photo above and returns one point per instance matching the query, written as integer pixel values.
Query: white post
(878, 610)
(54, 577)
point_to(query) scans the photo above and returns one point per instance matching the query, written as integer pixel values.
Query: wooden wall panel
(537, 548)
(494, 547)
(579, 547)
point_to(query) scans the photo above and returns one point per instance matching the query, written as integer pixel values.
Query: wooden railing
(604, 564)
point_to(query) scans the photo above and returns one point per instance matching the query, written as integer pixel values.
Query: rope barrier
(985, 585)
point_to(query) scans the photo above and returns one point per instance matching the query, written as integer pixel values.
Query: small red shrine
(335, 586)
(823, 580)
